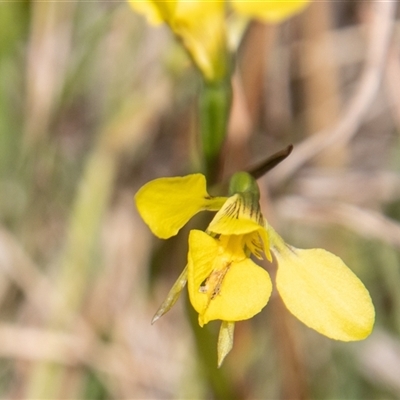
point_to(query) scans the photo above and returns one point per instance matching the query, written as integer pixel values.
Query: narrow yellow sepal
(223, 283)
(172, 296)
(225, 340)
(166, 204)
(322, 292)
(269, 10)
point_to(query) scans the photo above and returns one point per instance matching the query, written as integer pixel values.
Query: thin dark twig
(271, 162)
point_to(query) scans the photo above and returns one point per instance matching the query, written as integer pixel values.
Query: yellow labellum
(223, 282)
(322, 292)
(167, 204)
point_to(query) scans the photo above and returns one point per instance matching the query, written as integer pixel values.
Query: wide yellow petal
(269, 10)
(166, 204)
(321, 291)
(239, 290)
(244, 292)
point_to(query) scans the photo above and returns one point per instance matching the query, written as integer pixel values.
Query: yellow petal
(240, 290)
(321, 291)
(269, 10)
(166, 204)
(244, 292)
(156, 12)
(237, 216)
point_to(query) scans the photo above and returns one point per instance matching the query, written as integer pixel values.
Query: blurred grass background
(94, 103)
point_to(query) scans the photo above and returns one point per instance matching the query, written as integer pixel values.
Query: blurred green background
(94, 102)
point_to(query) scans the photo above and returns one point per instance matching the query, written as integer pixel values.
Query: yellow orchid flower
(200, 25)
(225, 284)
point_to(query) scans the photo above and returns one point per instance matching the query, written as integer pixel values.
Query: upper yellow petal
(223, 285)
(241, 215)
(269, 10)
(166, 204)
(321, 291)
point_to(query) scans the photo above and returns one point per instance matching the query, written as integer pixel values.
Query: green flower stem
(215, 104)
(220, 382)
